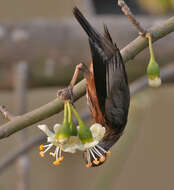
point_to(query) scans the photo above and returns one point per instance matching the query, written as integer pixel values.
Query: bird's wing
(102, 49)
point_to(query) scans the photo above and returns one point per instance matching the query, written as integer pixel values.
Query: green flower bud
(153, 70)
(84, 132)
(64, 131)
(72, 125)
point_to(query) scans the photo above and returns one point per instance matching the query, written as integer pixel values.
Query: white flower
(73, 144)
(156, 82)
(94, 152)
(97, 133)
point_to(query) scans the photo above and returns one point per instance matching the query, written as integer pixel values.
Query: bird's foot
(66, 94)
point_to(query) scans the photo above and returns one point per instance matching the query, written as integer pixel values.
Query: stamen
(41, 147)
(88, 156)
(88, 165)
(101, 148)
(108, 153)
(48, 147)
(53, 154)
(61, 158)
(97, 152)
(56, 162)
(92, 154)
(102, 158)
(56, 152)
(42, 154)
(60, 153)
(95, 161)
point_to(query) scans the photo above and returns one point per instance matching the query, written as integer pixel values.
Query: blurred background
(40, 44)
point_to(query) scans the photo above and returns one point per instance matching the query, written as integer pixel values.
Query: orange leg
(67, 93)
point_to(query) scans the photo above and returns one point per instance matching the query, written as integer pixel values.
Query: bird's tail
(86, 25)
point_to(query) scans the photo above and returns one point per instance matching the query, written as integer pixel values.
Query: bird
(107, 87)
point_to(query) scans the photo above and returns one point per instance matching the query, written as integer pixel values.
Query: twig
(55, 106)
(6, 113)
(140, 43)
(126, 10)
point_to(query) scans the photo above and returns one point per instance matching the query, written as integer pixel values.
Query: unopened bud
(153, 70)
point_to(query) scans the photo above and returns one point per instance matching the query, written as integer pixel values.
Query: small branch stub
(126, 10)
(6, 113)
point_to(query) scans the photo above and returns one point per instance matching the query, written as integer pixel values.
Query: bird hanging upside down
(107, 87)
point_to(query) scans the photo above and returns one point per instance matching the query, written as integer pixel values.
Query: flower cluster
(153, 70)
(69, 138)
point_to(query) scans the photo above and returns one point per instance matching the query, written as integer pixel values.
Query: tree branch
(140, 43)
(23, 121)
(55, 106)
(135, 87)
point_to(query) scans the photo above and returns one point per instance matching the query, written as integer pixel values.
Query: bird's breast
(92, 99)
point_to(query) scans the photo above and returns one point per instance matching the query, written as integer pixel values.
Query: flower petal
(69, 148)
(156, 82)
(97, 131)
(51, 139)
(56, 127)
(46, 130)
(91, 144)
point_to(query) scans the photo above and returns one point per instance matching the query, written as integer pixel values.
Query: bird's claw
(66, 94)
